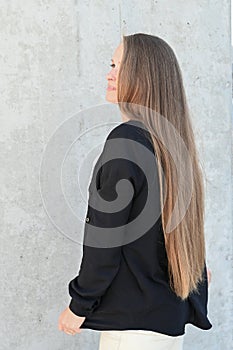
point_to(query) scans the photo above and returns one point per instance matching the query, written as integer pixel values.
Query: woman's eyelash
(112, 65)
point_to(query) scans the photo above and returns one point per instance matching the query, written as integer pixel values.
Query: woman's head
(145, 72)
(149, 88)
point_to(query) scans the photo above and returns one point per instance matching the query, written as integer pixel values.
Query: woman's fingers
(72, 331)
(69, 331)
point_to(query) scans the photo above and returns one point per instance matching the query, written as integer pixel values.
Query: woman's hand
(209, 275)
(69, 322)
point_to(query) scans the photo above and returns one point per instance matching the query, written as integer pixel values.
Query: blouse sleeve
(100, 264)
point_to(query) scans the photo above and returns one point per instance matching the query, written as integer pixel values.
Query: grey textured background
(54, 59)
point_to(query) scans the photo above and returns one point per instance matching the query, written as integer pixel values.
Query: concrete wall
(54, 58)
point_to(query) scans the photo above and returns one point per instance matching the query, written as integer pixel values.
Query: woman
(150, 279)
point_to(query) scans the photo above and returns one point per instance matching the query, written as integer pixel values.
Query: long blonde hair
(150, 76)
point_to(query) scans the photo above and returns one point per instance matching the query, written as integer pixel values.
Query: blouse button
(87, 219)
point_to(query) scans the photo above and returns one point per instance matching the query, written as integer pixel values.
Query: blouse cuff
(78, 309)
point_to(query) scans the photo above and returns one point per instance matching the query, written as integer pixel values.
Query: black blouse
(123, 277)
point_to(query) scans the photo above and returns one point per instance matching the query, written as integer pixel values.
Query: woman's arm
(100, 265)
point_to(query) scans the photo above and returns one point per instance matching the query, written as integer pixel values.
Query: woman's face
(112, 76)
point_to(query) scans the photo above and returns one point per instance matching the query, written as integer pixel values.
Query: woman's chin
(110, 98)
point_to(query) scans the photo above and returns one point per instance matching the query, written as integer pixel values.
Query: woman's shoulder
(122, 129)
(132, 129)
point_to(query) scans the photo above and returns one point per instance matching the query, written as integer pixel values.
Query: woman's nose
(110, 76)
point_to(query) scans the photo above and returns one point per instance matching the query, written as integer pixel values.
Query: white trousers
(138, 340)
